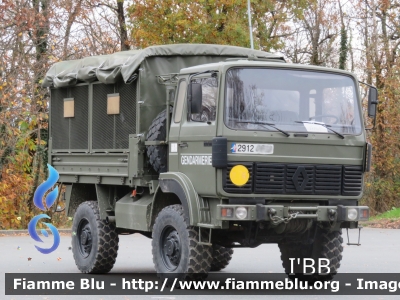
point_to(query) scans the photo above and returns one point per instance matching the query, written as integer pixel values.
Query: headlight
(352, 214)
(241, 213)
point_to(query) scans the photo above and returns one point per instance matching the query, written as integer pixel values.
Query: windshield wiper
(324, 125)
(268, 124)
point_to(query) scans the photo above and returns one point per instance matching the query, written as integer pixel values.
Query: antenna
(250, 27)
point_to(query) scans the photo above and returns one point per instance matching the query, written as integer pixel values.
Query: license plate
(252, 148)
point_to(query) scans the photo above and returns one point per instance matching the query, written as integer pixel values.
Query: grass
(394, 213)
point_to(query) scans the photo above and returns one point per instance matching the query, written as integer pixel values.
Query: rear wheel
(177, 248)
(327, 245)
(94, 242)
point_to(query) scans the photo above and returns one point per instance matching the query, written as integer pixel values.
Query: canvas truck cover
(140, 67)
(111, 68)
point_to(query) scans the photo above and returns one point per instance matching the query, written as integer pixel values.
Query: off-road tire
(104, 240)
(158, 154)
(195, 258)
(221, 257)
(326, 245)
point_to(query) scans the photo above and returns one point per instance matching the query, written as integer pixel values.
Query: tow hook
(277, 220)
(359, 236)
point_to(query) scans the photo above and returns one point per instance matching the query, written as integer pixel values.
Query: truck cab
(296, 132)
(241, 150)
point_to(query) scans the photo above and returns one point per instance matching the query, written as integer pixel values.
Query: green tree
(212, 22)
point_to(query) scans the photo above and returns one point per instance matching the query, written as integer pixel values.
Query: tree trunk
(122, 26)
(343, 42)
(40, 40)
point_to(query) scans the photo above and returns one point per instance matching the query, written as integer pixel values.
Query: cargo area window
(113, 104)
(69, 110)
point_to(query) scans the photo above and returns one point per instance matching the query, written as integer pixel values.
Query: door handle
(183, 145)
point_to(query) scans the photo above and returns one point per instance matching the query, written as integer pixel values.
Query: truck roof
(111, 68)
(249, 62)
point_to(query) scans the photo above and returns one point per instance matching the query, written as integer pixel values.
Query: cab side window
(180, 101)
(209, 87)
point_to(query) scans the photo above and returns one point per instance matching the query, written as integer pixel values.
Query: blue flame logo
(44, 187)
(38, 201)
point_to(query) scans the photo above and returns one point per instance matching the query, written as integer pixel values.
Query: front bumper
(261, 212)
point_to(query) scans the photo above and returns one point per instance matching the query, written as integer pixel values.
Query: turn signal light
(365, 214)
(227, 212)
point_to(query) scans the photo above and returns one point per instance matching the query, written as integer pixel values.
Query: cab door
(196, 134)
(173, 140)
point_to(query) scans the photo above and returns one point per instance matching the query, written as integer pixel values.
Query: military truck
(205, 148)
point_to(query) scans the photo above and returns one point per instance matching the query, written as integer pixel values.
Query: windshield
(290, 100)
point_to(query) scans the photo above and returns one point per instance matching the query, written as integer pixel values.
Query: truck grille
(245, 189)
(298, 179)
(352, 180)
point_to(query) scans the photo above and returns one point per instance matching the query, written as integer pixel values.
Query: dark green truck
(205, 148)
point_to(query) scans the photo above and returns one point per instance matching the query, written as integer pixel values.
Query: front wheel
(221, 257)
(177, 248)
(94, 242)
(327, 245)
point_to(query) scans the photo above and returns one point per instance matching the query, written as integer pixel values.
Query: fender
(179, 184)
(77, 193)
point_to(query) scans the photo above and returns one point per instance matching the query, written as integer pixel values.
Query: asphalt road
(379, 253)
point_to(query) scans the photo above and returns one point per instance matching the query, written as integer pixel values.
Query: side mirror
(195, 98)
(372, 101)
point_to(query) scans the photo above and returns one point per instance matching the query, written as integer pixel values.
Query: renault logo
(300, 179)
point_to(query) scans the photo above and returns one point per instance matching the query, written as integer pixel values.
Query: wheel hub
(171, 248)
(84, 234)
(84, 238)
